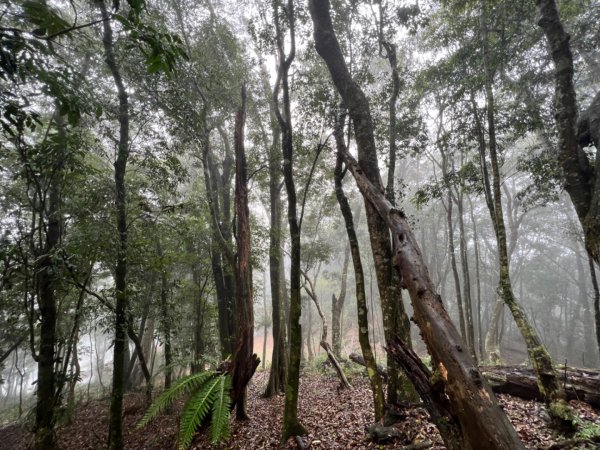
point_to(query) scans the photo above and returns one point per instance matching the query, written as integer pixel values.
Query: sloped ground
(336, 419)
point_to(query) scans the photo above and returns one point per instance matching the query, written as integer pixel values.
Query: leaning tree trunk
(478, 421)
(395, 320)
(359, 280)
(115, 441)
(572, 136)
(244, 361)
(468, 415)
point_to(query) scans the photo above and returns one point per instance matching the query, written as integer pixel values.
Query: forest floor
(336, 419)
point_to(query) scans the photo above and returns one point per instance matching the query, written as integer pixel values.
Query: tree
(291, 424)
(244, 361)
(444, 344)
(116, 405)
(574, 134)
(359, 280)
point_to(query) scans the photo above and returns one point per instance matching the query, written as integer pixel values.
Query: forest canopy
(205, 199)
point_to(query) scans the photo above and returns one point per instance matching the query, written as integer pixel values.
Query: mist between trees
(222, 187)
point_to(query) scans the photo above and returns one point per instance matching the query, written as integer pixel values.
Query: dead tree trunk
(310, 290)
(470, 401)
(244, 361)
(579, 384)
(480, 423)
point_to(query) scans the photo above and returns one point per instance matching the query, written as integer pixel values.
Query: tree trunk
(541, 361)
(220, 258)
(116, 406)
(278, 370)
(337, 305)
(395, 320)
(578, 173)
(469, 399)
(452, 253)
(75, 374)
(359, 280)
(199, 313)
(478, 280)
(46, 385)
(244, 361)
(596, 300)
(481, 422)
(580, 384)
(464, 258)
(165, 321)
(291, 424)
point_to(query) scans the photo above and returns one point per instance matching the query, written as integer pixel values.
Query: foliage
(588, 431)
(208, 396)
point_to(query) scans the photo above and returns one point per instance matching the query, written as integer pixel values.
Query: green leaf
(219, 423)
(44, 17)
(195, 410)
(183, 386)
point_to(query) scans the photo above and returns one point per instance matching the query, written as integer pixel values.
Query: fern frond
(182, 386)
(219, 421)
(195, 410)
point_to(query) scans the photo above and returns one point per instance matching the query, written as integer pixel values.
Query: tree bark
(337, 305)
(116, 406)
(291, 424)
(359, 280)
(481, 422)
(244, 361)
(278, 370)
(596, 300)
(559, 410)
(578, 173)
(46, 281)
(395, 320)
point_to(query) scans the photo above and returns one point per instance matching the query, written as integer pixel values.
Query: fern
(209, 394)
(219, 423)
(195, 410)
(185, 385)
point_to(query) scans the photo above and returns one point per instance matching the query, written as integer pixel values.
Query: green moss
(588, 431)
(562, 416)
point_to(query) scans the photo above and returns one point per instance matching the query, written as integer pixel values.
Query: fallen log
(579, 384)
(358, 359)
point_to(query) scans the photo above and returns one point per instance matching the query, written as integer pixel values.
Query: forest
(324, 224)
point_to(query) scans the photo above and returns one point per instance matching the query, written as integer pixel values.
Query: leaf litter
(335, 418)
